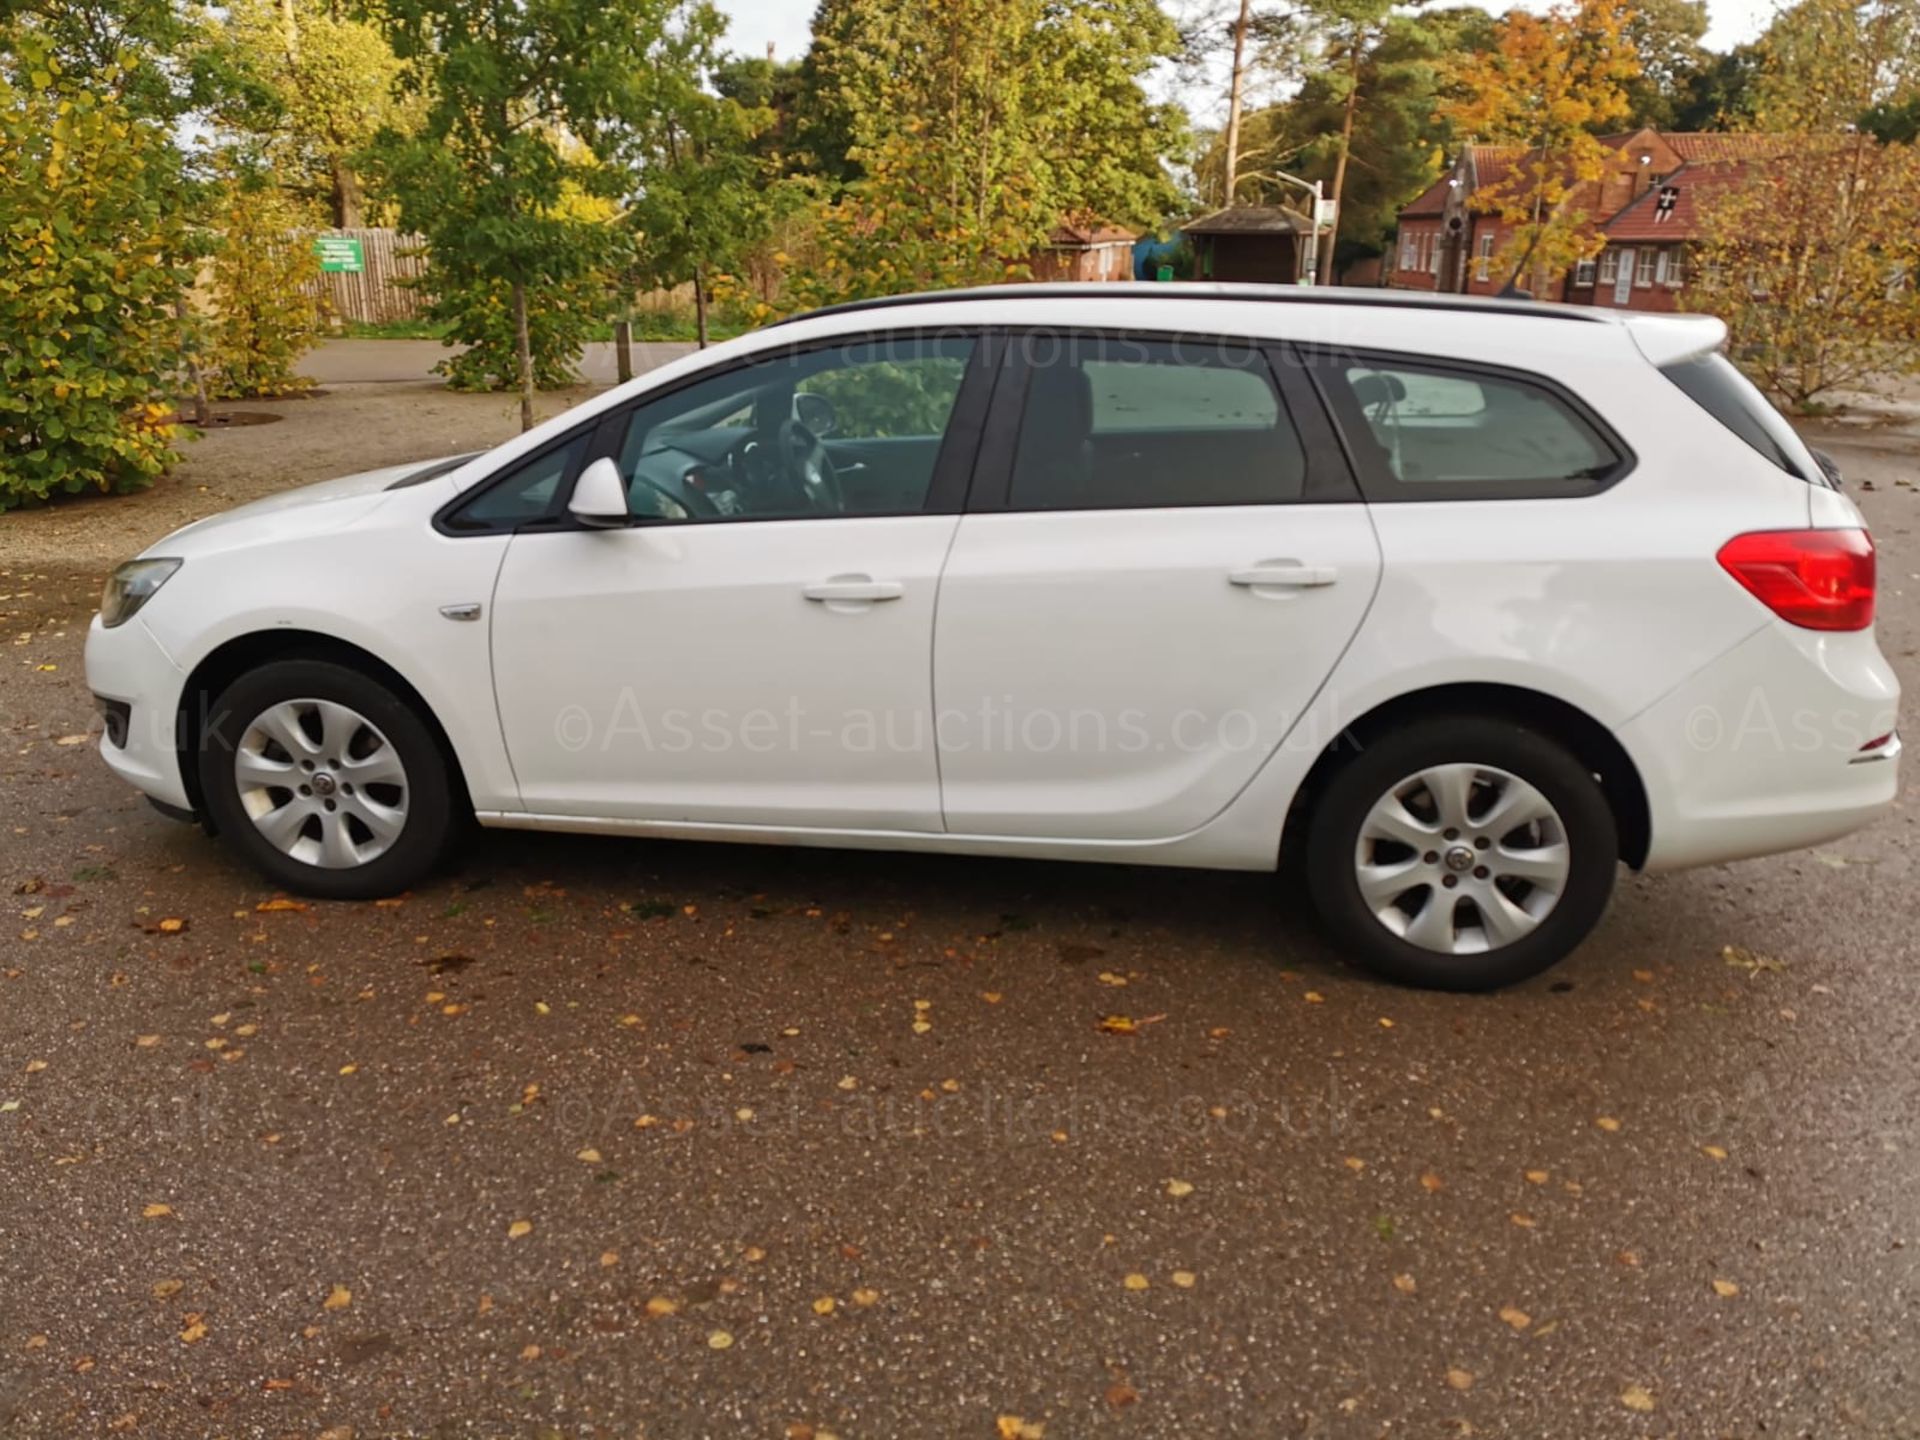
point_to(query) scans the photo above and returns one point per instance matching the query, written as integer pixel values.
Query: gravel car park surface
(612, 1138)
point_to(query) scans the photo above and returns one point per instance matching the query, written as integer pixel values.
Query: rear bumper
(127, 666)
(1763, 750)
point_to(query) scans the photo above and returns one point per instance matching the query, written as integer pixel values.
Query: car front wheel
(1461, 853)
(326, 780)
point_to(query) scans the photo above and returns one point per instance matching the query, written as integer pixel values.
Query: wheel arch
(1587, 738)
(233, 658)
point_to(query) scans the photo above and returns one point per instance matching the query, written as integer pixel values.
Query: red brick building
(1647, 206)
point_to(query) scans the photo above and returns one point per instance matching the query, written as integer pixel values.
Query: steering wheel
(807, 464)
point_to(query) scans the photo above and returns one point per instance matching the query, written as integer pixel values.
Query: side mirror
(816, 412)
(600, 497)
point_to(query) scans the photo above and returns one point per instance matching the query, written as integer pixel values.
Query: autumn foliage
(91, 264)
(1552, 83)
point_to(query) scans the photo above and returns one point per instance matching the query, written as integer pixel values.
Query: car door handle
(854, 588)
(1298, 577)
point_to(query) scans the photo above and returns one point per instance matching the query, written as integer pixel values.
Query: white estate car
(1460, 602)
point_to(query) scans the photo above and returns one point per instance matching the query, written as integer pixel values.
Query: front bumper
(127, 666)
(1765, 750)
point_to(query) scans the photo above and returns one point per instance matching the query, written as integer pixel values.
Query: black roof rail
(1246, 294)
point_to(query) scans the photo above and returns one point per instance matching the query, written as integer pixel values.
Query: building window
(1609, 267)
(1583, 272)
(1408, 244)
(1643, 266)
(1433, 255)
(1676, 267)
(1483, 261)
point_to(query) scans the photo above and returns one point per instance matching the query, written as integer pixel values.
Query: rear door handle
(1298, 577)
(854, 588)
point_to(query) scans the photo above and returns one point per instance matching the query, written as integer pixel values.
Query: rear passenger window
(1438, 430)
(1113, 424)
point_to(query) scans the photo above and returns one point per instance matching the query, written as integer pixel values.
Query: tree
(1552, 83)
(263, 312)
(1812, 259)
(92, 259)
(314, 85)
(1396, 76)
(980, 125)
(701, 199)
(1666, 35)
(522, 103)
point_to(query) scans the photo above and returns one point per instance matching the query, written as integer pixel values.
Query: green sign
(340, 254)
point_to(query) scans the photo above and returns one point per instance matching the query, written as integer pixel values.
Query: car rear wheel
(1461, 853)
(326, 780)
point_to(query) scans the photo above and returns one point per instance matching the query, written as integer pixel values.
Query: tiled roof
(1432, 200)
(1692, 185)
(1707, 148)
(1491, 162)
(1250, 220)
(1091, 235)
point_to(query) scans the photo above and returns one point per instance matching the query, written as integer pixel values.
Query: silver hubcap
(322, 783)
(1462, 859)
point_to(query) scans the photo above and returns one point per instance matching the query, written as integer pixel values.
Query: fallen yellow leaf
(660, 1305)
(588, 1156)
(1536, 1177)
(609, 1258)
(1608, 1124)
(1713, 1152)
(1012, 1427)
(1460, 1379)
(519, 1228)
(1184, 1279)
(864, 1297)
(1117, 1025)
(339, 1298)
(824, 1305)
(1517, 1318)
(1637, 1397)
(1179, 1188)
(1725, 1289)
(1135, 1281)
(279, 902)
(719, 1340)
(1405, 1284)
(156, 1212)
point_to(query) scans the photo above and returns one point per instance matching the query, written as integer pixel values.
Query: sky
(783, 23)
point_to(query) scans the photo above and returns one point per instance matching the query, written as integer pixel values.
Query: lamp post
(1313, 188)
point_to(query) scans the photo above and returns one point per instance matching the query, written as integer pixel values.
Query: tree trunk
(523, 354)
(1340, 165)
(346, 194)
(623, 349)
(202, 412)
(700, 303)
(1234, 92)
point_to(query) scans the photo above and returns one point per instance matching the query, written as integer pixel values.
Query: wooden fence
(374, 296)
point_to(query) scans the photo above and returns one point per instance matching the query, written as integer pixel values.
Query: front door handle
(1298, 577)
(858, 588)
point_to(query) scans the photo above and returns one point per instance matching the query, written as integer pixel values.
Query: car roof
(1218, 291)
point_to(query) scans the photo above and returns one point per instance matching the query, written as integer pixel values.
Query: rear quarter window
(1436, 431)
(1714, 384)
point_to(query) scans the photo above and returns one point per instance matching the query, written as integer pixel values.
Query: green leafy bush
(561, 317)
(92, 250)
(263, 316)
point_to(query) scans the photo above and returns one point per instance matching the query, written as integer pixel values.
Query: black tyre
(326, 781)
(1461, 853)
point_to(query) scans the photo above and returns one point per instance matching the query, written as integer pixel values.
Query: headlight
(131, 586)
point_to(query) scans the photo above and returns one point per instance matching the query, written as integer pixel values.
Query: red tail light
(1816, 579)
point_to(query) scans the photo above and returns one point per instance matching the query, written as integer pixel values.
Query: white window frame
(1676, 262)
(1409, 248)
(1433, 256)
(1644, 262)
(1483, 258)
(1609, 266)
(1583, 273)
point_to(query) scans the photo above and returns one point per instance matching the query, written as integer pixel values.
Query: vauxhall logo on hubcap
(323, 784)
(1459, 858)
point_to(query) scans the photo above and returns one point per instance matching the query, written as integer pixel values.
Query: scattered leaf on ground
(1637, 1397)
(338, 1298)
(1460, 1379)
(519, 1228)
(1517, 1318)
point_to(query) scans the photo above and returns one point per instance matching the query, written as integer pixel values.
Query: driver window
(846, 430)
